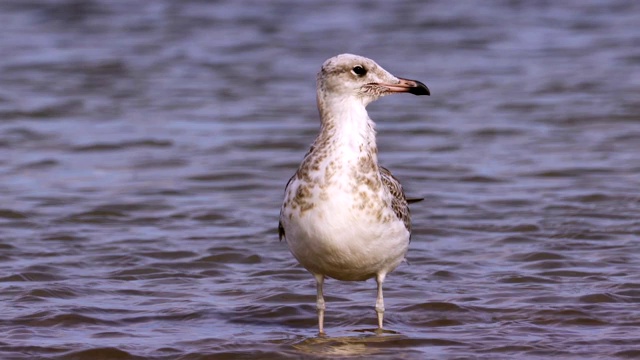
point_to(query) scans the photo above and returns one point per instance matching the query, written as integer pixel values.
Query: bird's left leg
(320, 306)
(380, 299)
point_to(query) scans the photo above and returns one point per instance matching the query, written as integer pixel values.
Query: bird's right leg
(320, 302)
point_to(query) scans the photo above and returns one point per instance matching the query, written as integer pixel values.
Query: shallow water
(147, 144)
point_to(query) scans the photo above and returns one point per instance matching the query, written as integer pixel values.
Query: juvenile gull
(344, 216)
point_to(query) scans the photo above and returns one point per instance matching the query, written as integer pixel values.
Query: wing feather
(281, 234)
(399, 201)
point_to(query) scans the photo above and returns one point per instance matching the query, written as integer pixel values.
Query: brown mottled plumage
(399, 201)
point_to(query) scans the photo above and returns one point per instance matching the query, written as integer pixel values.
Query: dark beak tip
(420, 89)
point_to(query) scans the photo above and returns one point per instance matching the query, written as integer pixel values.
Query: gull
(344, 216)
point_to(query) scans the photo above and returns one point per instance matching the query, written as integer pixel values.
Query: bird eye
(359, 70)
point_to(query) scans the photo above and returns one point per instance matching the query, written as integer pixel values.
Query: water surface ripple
(146, 146)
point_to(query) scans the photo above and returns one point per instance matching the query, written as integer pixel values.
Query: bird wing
(399, 201)
(280, 230)
(280, 227)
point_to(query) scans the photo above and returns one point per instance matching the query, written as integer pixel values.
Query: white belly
(344, 242)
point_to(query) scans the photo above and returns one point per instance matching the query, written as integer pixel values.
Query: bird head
(348, 75)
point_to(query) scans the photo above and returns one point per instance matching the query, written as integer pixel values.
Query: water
(146, 146)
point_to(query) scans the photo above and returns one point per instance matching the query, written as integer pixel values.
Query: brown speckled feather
(399, 201)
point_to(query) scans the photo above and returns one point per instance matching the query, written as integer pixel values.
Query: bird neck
(345, 125)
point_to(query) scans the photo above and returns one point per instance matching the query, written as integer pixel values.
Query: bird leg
(320, 302)
(380, 300)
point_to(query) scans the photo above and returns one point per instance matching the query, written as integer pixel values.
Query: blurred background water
(146, 144)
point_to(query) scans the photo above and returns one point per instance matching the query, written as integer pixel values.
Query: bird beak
(405, 85)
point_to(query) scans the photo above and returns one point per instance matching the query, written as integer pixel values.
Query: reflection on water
(345, 345)
(146, 146)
